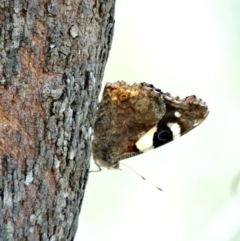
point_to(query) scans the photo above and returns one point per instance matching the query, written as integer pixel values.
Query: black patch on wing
(162, 136)
(164, 133)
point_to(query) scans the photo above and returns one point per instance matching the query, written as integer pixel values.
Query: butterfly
(132, 119)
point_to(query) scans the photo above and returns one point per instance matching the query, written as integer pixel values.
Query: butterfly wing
(134, 118)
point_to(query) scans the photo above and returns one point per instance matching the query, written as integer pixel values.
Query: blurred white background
(182, 47)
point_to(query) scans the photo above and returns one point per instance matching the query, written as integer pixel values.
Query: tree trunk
(52, 58)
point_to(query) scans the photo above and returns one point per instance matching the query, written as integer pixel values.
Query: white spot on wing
(177, 114)
(175, 128)
(146, 141)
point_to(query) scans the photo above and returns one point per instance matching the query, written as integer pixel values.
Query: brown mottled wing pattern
(193, 111)
(127, 112)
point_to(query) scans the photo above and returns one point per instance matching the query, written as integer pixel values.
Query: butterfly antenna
(142, 176)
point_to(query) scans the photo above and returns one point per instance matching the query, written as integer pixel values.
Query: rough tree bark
(52, 57)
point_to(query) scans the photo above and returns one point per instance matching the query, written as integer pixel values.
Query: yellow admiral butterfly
(132, 119)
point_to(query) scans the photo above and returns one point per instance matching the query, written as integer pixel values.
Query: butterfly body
(132, 119)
